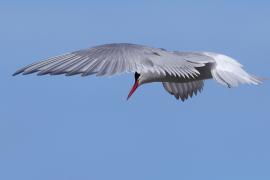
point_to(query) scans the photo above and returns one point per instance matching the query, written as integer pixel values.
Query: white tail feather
(229, 72)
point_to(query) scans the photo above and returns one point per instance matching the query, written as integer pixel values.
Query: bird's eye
(136, 76)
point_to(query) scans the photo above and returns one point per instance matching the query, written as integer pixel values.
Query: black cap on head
(136, 76)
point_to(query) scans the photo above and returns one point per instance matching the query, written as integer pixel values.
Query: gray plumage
(182, 73)
(110, 59)
(183, 90)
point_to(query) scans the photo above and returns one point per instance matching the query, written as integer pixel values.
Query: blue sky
(61, 127)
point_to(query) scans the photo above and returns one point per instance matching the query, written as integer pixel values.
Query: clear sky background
(70, 128)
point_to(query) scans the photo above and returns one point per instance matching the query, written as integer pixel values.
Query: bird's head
(137, 83)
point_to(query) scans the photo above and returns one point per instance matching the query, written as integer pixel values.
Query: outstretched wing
(183, 90)
(110, 59)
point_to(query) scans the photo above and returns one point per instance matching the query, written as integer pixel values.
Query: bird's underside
(181, 73)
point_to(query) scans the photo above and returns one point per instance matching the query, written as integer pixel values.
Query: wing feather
(183, 90)
(111, 59)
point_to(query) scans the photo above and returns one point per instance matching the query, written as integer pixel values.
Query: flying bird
(182, 74)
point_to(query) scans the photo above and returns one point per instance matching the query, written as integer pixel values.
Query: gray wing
(113, 59)
(195, 57)
(183, 90)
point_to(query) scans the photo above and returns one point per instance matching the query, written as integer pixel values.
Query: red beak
(133, 89)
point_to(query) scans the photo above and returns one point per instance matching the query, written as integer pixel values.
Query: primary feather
(110, 59)
(182, 73)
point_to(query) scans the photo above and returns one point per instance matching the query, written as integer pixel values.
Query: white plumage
(182, 73)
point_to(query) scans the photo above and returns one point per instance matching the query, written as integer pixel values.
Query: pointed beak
(133, 89)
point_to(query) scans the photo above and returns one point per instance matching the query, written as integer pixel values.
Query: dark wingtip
(16, 73)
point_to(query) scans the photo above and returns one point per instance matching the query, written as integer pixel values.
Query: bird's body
(181, 73)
